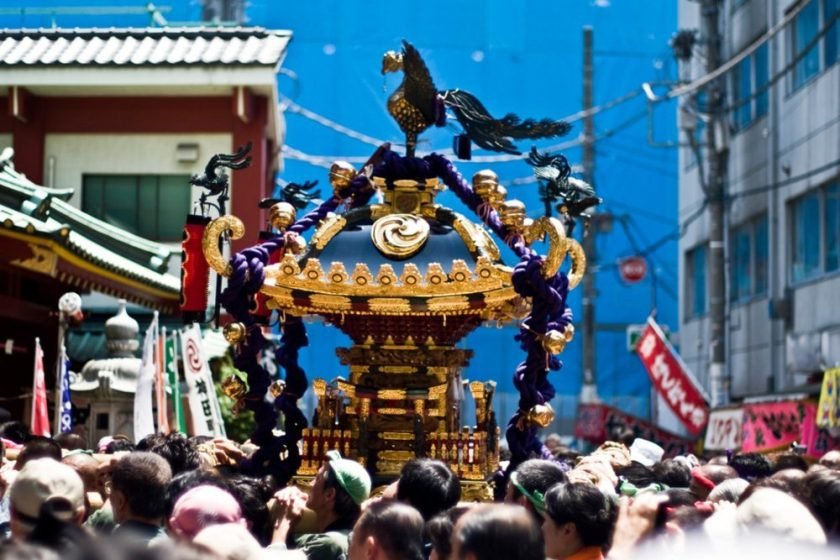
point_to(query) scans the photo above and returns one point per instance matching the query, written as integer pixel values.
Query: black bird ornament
(417, 104)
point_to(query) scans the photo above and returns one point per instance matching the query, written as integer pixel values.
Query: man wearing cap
(337, 493)
(45, 482)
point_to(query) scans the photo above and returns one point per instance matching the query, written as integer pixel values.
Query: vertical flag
(65, 418)
(40, 417)
(144, 419)
(170, 364)
(160, 384)
(204, 407)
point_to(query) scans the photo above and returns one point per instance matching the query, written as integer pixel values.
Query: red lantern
(195, 272)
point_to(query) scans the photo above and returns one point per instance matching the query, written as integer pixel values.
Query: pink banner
(771, 426)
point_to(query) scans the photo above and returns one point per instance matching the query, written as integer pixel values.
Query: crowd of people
(176, 497)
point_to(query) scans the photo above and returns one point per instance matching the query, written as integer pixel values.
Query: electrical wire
(787, 68)
(729, 64)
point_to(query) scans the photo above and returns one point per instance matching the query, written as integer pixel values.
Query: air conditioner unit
(804, 352)
(831, 348)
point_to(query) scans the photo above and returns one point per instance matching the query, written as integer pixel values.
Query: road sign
(632, 269)
(635, 331)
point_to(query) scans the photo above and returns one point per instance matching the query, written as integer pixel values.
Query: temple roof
(55, 238)
(143, 46)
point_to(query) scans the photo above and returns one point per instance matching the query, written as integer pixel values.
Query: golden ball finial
(341, 174)
(555, 341)
(541, 415)
(282, 215)
(234, 332)
(480, 177)
(512, 214)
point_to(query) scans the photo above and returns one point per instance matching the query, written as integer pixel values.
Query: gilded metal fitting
(484, 177)
(555, 341)
(234, 387)
(234, 333)
(277, 388)
(282, 215)
(541, 415)
(341, 174)
(512, 214)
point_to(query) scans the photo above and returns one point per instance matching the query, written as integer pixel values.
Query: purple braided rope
(277, 455)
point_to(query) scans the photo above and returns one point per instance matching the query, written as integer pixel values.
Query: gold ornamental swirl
(399, 236)
(559, 246)
(210, 242)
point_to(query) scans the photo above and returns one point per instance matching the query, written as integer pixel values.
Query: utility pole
(589, 393)
(717, 155)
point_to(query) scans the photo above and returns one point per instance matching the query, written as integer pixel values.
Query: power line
(784, 183)
(729, 64)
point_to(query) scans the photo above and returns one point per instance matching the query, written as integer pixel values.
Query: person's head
(706, 477)
(387, 531)
(117, 445)
(577, 515)
(729, 490)
(831, 459)
(339, 489)
(637, 474)
(646, 452)
(674, 474)
(15, 431)
(439, 530)
(45, 482)
(822, 494)
(86, 467)
(176, 448)
(489, 532)
(529, 483)
(253, 495)
(429, 486)
(789, 461)
(230, 541)
(751, 466)
(771, 512)
(188, 480)
(138, 487)
(71, 441)
(202, 507)
(38, 447)
(553, 441)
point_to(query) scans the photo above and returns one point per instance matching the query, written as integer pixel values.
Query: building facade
(781, 196)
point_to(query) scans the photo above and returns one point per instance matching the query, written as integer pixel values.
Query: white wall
(72, 155)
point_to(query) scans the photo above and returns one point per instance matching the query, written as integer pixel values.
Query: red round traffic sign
(632, 269)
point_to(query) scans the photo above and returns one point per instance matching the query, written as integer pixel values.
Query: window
(815, 219)
(806, 237)
(696, 278)
(804, 29)
(748, 260)
(749, 88)
(815, 25)
(151, 206)
(832, 227)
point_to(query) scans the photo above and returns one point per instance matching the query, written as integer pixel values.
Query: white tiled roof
(143, 47)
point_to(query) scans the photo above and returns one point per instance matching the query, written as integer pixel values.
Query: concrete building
(782, 196)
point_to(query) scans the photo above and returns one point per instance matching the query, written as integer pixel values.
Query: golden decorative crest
(400, 236)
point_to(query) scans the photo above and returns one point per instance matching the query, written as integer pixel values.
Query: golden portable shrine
(406, 279)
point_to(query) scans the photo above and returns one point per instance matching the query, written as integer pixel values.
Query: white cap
(645, 452)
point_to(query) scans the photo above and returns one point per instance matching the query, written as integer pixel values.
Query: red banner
(595, 423)
(672, 378)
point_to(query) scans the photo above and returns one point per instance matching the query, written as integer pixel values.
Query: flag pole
(35, 381)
